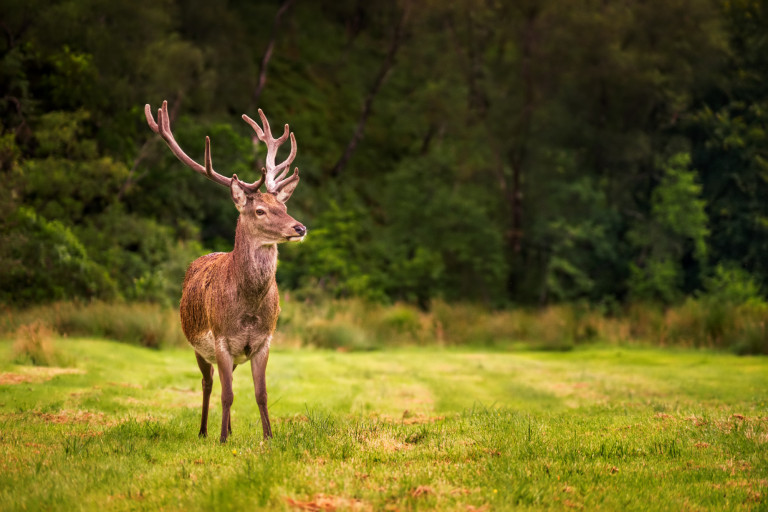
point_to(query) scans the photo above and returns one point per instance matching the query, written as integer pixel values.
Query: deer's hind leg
(206, 369)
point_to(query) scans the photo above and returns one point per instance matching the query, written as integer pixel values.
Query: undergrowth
(354, 324)
(145, 324)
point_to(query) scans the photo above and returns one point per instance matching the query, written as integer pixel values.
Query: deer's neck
(255, 264)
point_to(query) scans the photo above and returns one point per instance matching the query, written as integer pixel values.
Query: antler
(163, 128)
(276, 179)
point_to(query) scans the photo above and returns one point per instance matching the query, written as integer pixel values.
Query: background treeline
(525, 152)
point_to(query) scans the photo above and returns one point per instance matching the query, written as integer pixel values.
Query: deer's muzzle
(300, 230)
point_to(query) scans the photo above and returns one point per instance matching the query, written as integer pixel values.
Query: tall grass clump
(351, 324)
(145, 324)
(35, 343)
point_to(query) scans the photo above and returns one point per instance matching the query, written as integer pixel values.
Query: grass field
(406, 429)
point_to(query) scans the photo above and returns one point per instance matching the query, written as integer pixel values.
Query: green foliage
(677, 208)
(441, 239)
(677, 227)
(43, 261)
(483, 172)
(580, 234)
(336, 258)
(322, 333)
(731, 285)
(730, 143)
(657, 280)
(142, 254)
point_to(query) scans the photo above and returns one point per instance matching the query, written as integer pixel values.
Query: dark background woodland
(500, 152)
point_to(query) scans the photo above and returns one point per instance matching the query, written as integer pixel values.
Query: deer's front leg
(229, 418)
(224, 365)
(259, 371)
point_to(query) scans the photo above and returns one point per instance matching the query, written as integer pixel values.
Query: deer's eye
(260, 212)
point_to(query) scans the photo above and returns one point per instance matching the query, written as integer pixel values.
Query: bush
(728, 314)
(730, 284)
(44, 261)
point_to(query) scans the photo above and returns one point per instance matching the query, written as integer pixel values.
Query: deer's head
(263, 215)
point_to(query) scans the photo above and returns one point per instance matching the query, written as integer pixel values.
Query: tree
(676, 228)
(730, 143)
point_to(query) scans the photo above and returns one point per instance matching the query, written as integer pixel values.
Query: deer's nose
(301, 230)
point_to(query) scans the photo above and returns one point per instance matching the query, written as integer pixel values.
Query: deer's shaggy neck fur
(255, 264)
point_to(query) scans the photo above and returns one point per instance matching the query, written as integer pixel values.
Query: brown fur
(229, 306)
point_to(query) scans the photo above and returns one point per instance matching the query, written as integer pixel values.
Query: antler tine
(208, 162)
(286, 164)
(255, 126)
(275, 174)
(254, 187)
(163, 128)
(150, 120)
(267, 129)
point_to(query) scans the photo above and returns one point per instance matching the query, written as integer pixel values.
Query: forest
(536, 229)
(499, 153)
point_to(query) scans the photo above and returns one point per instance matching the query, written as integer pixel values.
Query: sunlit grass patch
(414, 429)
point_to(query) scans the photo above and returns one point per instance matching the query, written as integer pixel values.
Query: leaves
(513, 153)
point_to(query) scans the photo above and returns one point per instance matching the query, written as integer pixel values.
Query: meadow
(114, 427)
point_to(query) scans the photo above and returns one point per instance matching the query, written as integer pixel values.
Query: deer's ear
(238, 194)
(285, 193)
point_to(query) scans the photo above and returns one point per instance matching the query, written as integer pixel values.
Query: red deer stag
(229, 304)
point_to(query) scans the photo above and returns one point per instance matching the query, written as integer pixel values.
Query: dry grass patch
(7, 379)
(329, 503)
(68, 416)
(35, 374)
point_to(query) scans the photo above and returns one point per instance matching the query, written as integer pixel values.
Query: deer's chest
(245, 338)
(252, 337)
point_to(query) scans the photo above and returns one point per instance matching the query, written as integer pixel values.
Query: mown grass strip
(406, 430)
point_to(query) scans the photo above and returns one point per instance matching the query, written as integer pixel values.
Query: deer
(230, 304)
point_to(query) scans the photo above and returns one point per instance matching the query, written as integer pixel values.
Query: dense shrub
(43, 261)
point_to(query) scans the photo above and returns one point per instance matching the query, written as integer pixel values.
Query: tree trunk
(519, 153)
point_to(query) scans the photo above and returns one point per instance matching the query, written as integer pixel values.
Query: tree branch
(268, 51)
(381, 77)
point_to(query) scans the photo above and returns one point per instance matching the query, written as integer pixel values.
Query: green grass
(407, 429)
